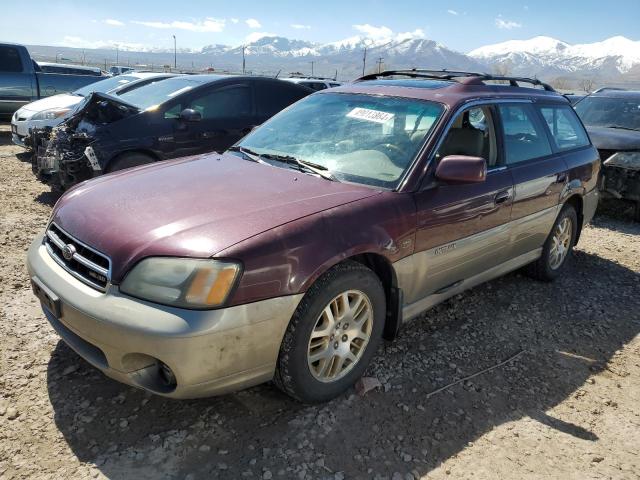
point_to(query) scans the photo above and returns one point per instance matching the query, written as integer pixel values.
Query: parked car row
(290, 255)
(155, 120)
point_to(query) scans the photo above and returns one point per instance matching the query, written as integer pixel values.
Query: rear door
(539, 175)
(462, 228)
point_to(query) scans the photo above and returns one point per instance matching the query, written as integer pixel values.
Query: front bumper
(210, 352)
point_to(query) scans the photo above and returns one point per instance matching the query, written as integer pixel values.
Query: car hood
(192, 207)
(614, 138)
(55, 101)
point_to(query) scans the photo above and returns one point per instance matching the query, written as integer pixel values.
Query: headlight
(182, 282)
(630, 160)
(51, 114)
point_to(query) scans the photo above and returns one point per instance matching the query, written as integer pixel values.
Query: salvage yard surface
(567, 407)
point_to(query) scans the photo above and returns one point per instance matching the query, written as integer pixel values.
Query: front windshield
(155, 94)
(610, 112)
(356, 138)
(104, 86)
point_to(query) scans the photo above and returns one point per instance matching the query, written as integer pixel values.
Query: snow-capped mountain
(546, 56)
(616, 58)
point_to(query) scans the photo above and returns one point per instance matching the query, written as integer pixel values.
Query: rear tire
(128, 160)
(558, 248)
(333, 334)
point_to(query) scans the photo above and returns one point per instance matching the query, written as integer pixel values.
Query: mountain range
(615, 59)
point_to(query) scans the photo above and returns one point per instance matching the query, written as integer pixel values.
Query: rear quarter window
(565, 128)
(10, 60)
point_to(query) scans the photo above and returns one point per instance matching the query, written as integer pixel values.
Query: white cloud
(114, 23)
(255, 36)
(299, 26)
(207, 25)
(374, 32)
(77, 42)
(507, 24)
(452, 12)
(253, 23)
(417, 33)
(234, 20)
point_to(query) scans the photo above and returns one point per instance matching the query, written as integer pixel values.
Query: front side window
(524, 138)
(358, 138)
(472, 133)
(565, 128)
(224, 103)
(10, 60)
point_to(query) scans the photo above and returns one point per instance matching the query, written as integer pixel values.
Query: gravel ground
(567, 407)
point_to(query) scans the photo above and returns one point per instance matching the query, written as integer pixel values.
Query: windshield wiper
(248, 153)
(620, 127)
(315, 168)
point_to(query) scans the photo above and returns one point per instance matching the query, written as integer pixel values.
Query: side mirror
(462, 169)
(190, 115)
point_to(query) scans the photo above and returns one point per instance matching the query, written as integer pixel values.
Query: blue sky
(462, 25)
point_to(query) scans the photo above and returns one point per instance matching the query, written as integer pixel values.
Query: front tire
(558, 248)
(333, 334)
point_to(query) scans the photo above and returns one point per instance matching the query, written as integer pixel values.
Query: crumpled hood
(56, 101)
(614, 138)
(192, 207)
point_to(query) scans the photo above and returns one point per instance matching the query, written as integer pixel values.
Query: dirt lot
(567, 407)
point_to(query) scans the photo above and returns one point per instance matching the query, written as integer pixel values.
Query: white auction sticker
(370, 115)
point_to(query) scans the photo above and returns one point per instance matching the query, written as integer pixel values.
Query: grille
(81, 261)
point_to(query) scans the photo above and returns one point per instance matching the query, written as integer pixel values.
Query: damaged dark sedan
(177, 117)
(612, 118)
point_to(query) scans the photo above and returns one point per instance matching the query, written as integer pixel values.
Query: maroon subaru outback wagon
(293, 254)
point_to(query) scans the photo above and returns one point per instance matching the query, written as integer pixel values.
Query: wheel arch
(142, 151)
(577, 203)
(384, 270)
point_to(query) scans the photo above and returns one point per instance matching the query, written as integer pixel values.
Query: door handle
(502, 197)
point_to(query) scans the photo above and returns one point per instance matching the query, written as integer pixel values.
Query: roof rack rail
(604, 89)
(452, 74)
(309, 77)
(421, 73)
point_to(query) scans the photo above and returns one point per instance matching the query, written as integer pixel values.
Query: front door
(462, 229)
(227, 116)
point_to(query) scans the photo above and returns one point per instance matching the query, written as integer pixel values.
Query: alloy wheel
(340, 336)
(560, 243)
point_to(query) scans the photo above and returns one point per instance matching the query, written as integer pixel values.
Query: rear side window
(10, 60)
(524, 136)
(566, 130)
(271, 97)
(224, 103)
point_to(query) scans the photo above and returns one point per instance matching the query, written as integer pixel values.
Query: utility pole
(243, 60)
(312, 62)
(175, 53)
(364, 60)
(379, 62)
